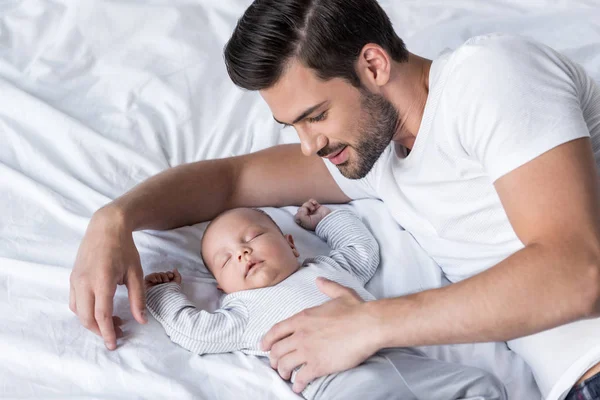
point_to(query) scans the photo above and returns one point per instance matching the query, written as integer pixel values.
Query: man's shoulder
(499, 41)
(489, 54)
(497, 68)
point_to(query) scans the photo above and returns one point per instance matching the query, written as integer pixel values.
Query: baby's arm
(196, 330)
(354, 247)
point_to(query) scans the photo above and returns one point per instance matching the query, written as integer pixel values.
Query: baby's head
(245, 249)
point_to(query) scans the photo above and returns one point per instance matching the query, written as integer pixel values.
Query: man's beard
(378, 123)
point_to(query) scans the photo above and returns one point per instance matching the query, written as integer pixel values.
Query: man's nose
(310, 142)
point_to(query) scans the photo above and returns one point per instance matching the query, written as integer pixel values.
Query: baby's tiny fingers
(301, 213)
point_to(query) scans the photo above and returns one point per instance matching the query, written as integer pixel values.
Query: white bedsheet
(96, 96)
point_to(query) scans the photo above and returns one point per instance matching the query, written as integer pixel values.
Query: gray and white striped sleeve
(196, 330)
(354, 247)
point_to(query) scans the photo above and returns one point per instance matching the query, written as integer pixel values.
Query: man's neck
(408, 90)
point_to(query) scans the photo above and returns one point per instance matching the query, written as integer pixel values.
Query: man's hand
(107, 257)
(333, 337)
(310, 214)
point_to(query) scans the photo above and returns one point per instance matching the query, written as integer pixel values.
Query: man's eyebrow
(303, 115)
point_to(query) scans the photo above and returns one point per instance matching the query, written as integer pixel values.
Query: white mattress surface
(97, 96)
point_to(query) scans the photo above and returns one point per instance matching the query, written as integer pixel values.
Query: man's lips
(332, 155)
(338, 157)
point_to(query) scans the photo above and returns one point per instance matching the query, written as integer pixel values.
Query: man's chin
(350, 171)
(347, 171)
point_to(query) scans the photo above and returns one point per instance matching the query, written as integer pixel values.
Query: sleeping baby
(258, 268)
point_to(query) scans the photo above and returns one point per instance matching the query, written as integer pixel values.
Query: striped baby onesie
(246, 316)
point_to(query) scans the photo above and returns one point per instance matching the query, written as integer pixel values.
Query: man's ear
(290, 241)
(374, 66)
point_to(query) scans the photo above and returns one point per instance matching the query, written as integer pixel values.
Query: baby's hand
(310, 214)
(162, 277)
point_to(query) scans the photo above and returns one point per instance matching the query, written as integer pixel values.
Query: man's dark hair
(325, 35)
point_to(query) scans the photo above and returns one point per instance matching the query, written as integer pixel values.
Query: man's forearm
(278, 176)
(179, 196)
(537, 288)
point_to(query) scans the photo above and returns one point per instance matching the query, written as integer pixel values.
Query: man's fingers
(137, 295)
(103, 314)
(288, 363)
(304, 376)
(276, 333)
(280, 349)
(117, 321)
(85, 302)
(72, 299)
(331, 288)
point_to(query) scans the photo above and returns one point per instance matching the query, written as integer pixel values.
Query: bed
(97, 96)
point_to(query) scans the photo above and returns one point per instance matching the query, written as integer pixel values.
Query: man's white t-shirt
(494, 104)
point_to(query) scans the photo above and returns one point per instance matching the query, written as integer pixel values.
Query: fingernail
(110, 346)
(144, 316)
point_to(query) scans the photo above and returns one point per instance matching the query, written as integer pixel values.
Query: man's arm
(180, 196)
(191, 193)
(553, 205)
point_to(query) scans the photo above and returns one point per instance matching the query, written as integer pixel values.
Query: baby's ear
(290, 240)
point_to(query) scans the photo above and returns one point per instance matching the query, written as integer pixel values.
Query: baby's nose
(242, 255)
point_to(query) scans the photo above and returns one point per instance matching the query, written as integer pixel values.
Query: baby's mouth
(250, 266)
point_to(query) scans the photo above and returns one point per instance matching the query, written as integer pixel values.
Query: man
(484, 155)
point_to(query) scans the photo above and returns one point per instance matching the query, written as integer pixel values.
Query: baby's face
(245, 250)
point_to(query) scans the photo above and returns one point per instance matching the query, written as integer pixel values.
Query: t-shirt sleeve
(516, 100)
